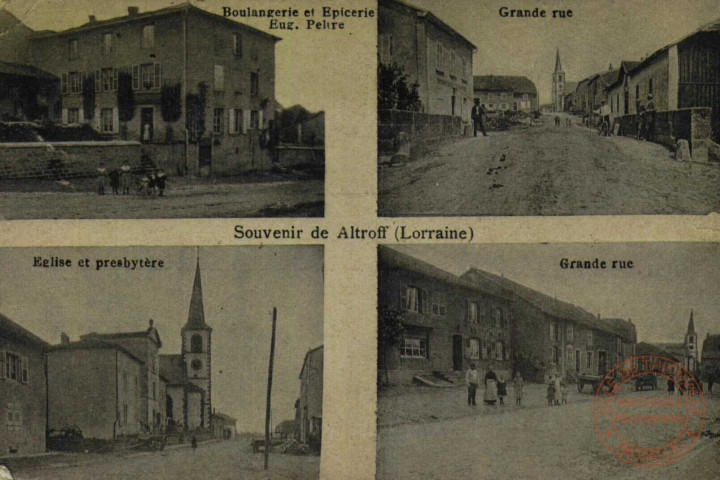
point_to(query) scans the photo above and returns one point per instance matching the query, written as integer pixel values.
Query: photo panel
(539, 360)
(154, 362)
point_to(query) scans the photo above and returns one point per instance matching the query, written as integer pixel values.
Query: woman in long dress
(490, 395)
(557, 389)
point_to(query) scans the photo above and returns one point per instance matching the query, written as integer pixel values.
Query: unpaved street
(229, 460)
(548, 170)
(534, 442)
(270, 197)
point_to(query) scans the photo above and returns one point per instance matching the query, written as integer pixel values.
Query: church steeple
(691, 324)
(558, 64)
(196, 315)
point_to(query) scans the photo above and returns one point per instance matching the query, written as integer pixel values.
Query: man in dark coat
(477, 117)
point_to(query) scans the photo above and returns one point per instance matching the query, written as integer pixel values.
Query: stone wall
(297, 156)
(417, 126)
(63, 160)
(691, 124)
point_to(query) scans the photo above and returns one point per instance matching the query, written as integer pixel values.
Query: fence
(416, 126)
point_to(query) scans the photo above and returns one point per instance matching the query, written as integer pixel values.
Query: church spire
(691, 324)
(196, 316)
(558, 65)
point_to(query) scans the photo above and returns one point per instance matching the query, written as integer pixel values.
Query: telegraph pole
(269, 389)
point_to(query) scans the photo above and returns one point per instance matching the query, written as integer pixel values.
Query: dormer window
(148, 36)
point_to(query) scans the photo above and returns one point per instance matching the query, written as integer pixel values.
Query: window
(497, 317)
(491, 106)
(554, 355)
(414, 299)
(12, 366)
(637, 93)
(106, 120)
(474, 348)
(439, 58)
(499, 350)
(590, 339)
(219, 43)
(453, 64)
(73, 116)
(385, 47)
(75, 81)
(588, 360)
(236, 119)
(219, 83)
(107, 41)
(218, 115)
(526, 96)
(73, 48)
(254, 83)
(147, 76)
(465, 67)
(255, 119)
(237, 45)
(569, 356)
(437, 300)
(472, 312)
(13, 417)
(413, 347)
(148, 36)
(108, 79)
(569, 333)
(196, 344)
(503, 95)
(504, 106)
(650, 85)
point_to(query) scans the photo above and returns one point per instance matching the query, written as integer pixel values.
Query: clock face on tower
(196, 364)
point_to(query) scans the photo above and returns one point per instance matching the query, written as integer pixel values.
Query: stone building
(216, 78)
(430, 53)
(448, 322)
(504, 92)
(95, 386)
(23, 390)
(310, 403)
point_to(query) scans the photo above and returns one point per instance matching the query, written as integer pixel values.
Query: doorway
(457, 353)
(147, 126)
(602, 363)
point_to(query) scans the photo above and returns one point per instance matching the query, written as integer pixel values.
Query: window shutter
(403, 297)
(552, 332)
(260, 119)
(115, 119)
(24, 370)
(64, 83)
(64, 116)
(97, 121)
(231, 120)
(2, 364)
(136, 77)
(425, 307)
(98, 81)
(467, 310)
(81, 115)
(158, 75)
(246, 120)
(115, 79)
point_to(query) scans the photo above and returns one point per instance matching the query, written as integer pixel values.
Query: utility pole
(269, 389)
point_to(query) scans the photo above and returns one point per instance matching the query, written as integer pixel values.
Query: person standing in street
(476, 115)
(490, 395)
(502, 389)
(518, 385)
(472, 380)
(102, 178)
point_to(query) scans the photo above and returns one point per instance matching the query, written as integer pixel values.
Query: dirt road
(535, 442)
(548, 170)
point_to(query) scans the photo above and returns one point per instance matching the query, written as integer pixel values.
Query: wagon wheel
(580, 386)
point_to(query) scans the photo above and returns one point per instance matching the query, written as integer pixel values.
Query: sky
(599, 33)
(304, 73)
(241, 285)
(668, 280)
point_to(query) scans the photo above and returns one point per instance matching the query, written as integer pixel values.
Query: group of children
(556, 391)
(153, 182)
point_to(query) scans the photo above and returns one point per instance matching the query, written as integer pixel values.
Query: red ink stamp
(649, 428)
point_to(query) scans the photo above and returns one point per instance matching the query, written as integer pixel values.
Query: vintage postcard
(156, 110)
(538, 361)
(162, 362)
(534, 108)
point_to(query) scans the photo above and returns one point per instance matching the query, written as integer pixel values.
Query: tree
(170, 107)
(88, 92)
(394, 91)
(390, 334)
(125, 100)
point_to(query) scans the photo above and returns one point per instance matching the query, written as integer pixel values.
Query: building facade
(310, 403)
(161, 76)
(448, 322)
(501, 93)
(96, 387)
(431, 54)
(23, 390)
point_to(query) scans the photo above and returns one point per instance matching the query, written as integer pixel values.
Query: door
(602, 363)
(146, 124)
(577, 361)
(626, 99)
(457, 353)
(204, 156)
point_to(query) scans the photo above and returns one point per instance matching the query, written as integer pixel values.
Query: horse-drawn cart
(594, 380)
(146, 441)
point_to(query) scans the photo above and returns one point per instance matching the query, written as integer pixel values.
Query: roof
(389, 258)
(677, 350)
(308, 355)
(172, 368)
(12, 331)
(94, 345)
(224, 417)
(428, 15)
(151, 333)
(711, 348)
(196, 315)
(192, 388)
(7, 68)
(504, 82)
(625, 67)
(644, 348)
(558, 64)
(144, 16)
(552, 306)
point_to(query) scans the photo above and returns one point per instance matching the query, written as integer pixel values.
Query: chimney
(610, 67)
(133, 11)
(92, 18)
(64, 338)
